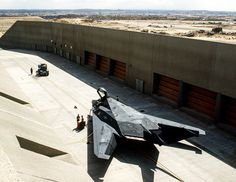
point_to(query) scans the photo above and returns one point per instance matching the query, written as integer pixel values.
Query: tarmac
(37, 141)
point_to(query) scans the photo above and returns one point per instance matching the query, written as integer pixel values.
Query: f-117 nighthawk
(112, 119)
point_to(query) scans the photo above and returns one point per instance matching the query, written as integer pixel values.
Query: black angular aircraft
(112, 119)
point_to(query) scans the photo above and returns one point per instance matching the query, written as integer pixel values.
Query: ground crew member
(78, 122)
(31, 71)
(82, 123)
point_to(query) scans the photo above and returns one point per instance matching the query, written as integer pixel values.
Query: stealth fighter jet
(112, 119)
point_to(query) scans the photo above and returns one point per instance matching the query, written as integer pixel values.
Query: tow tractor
(42, 70)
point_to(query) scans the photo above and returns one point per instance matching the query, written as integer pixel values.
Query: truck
(42, 70)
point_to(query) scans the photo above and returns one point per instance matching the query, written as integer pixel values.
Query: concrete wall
(206, 64)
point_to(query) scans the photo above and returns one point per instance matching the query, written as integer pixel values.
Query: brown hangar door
(103, 64)
(201, 100)
(119, 70)
(229, 111)
(90, 59)
(167, 87)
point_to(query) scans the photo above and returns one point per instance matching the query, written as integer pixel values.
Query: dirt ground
(7, 22)
(181, 28)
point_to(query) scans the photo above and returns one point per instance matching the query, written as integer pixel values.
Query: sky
(213, 5)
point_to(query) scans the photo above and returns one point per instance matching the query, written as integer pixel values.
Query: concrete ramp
(37, 141)
(7, 171)
(31, 148)
(8, 87)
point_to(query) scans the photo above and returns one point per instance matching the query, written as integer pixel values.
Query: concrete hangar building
(37, 114)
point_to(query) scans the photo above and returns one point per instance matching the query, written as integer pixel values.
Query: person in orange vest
(80, 125)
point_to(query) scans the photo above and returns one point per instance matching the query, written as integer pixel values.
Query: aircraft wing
(103, 139)
(112, 118)
(154, 129)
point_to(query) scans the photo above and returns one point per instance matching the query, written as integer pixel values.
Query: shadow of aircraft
(126, 152)
(143, 154)
(131, 98)
(186, 147)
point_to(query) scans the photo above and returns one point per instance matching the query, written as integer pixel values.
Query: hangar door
(90, 58)
(119, 70)
(103, 64)
(201, 99)
(229, 111)
(166, 87)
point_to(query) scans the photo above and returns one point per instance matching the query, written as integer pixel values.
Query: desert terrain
(204, 25)
(182, 28)
(7, 21)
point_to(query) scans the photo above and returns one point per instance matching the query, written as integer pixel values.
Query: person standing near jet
(80, 124)
(31, 71)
